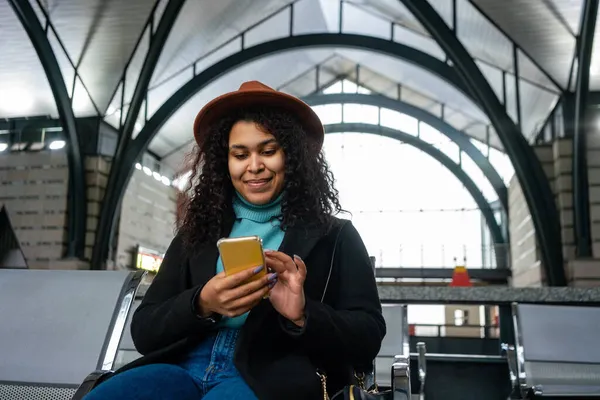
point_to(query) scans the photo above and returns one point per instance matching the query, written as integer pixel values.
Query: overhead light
(57, 145)
(18, 146)
(166, 181)
(3, 146)
(182, 181)
(138, 166)
(35, 146)
(147, 171)
(157, 176)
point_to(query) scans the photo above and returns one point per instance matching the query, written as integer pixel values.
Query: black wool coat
(342, 333)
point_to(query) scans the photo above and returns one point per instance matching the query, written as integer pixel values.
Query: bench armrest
(90, 382)
(422, 366)
(511, 358)
(401, 378)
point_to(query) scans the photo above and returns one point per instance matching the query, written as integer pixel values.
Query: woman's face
(256, 163)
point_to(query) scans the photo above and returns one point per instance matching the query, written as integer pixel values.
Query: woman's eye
(239, 156)
(269, 152)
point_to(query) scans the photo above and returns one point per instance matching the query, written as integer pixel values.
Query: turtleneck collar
(257, 213)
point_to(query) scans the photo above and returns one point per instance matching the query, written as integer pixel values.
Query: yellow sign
(148, 260)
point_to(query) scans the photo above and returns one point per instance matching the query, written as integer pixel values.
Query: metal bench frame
(518, 371)
(108, 352)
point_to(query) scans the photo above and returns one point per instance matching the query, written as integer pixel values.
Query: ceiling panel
(203, 25)
(534, 27)
(479, 36)
(100, 35)
(24, 89)
(392, 10)
(568, 12)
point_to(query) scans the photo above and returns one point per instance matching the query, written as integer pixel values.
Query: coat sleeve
(352, 328)
(167, 313)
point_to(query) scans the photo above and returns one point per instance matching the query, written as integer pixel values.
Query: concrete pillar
(557, 161)
(97, 169)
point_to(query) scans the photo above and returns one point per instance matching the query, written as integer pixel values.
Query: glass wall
(410, 210)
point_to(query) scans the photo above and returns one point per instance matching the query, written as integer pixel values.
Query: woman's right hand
(230, 296)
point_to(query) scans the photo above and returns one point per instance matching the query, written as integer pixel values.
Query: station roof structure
(98, 42)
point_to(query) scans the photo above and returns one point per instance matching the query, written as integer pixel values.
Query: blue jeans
(206, 373)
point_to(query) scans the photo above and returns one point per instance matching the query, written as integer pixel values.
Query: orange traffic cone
(460, 277)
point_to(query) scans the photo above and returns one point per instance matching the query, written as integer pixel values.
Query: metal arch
(536, 188)
(487, 211)
(112, 195)
(133, 151)
(460, 138)
(76, 203)
(220, 68)
(581, 199)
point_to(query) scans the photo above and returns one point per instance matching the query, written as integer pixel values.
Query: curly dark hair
(309, 195)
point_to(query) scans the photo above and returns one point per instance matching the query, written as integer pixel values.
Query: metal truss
(461, 139)
(112, 197)
(463, 74)
(132, 151)
(581, 199)
(76, 203)
(498, 238)
(528, 169)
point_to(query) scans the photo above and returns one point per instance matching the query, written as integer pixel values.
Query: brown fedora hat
(254, 93)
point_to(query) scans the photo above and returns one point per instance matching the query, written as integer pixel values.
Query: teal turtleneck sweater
(253, 220)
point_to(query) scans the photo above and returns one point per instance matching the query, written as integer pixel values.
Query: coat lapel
(300, 241)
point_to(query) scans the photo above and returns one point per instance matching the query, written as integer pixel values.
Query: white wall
(147, 217)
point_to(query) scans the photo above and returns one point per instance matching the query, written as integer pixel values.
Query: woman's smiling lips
(257, 183)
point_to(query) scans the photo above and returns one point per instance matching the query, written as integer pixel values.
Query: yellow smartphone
(239, 254)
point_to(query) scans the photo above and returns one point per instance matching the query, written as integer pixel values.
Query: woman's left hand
(287, 296)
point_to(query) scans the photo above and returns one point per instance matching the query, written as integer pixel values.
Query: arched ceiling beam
(76, 202)
(131, 152)
(487, 211)
(535, 185)
(581, 196)
(461, 139)
(112, 198)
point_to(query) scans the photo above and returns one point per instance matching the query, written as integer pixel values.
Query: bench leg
(401, 378)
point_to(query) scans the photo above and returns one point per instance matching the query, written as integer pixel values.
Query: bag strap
(337, 238)
(321, 374)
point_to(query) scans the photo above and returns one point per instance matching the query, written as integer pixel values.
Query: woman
(260, 171)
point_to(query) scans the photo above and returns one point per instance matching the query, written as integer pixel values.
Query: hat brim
(230, 102)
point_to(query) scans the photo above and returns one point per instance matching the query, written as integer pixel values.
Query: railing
(439, 255)
(449, 330)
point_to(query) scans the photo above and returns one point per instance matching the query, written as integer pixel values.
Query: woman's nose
(256, 164)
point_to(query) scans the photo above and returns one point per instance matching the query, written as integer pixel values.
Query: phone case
(238, 254)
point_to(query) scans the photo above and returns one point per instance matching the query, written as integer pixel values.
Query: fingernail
(273, 276)
(272, 284)
(267, 251)
(298, 257)
(258, 269)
